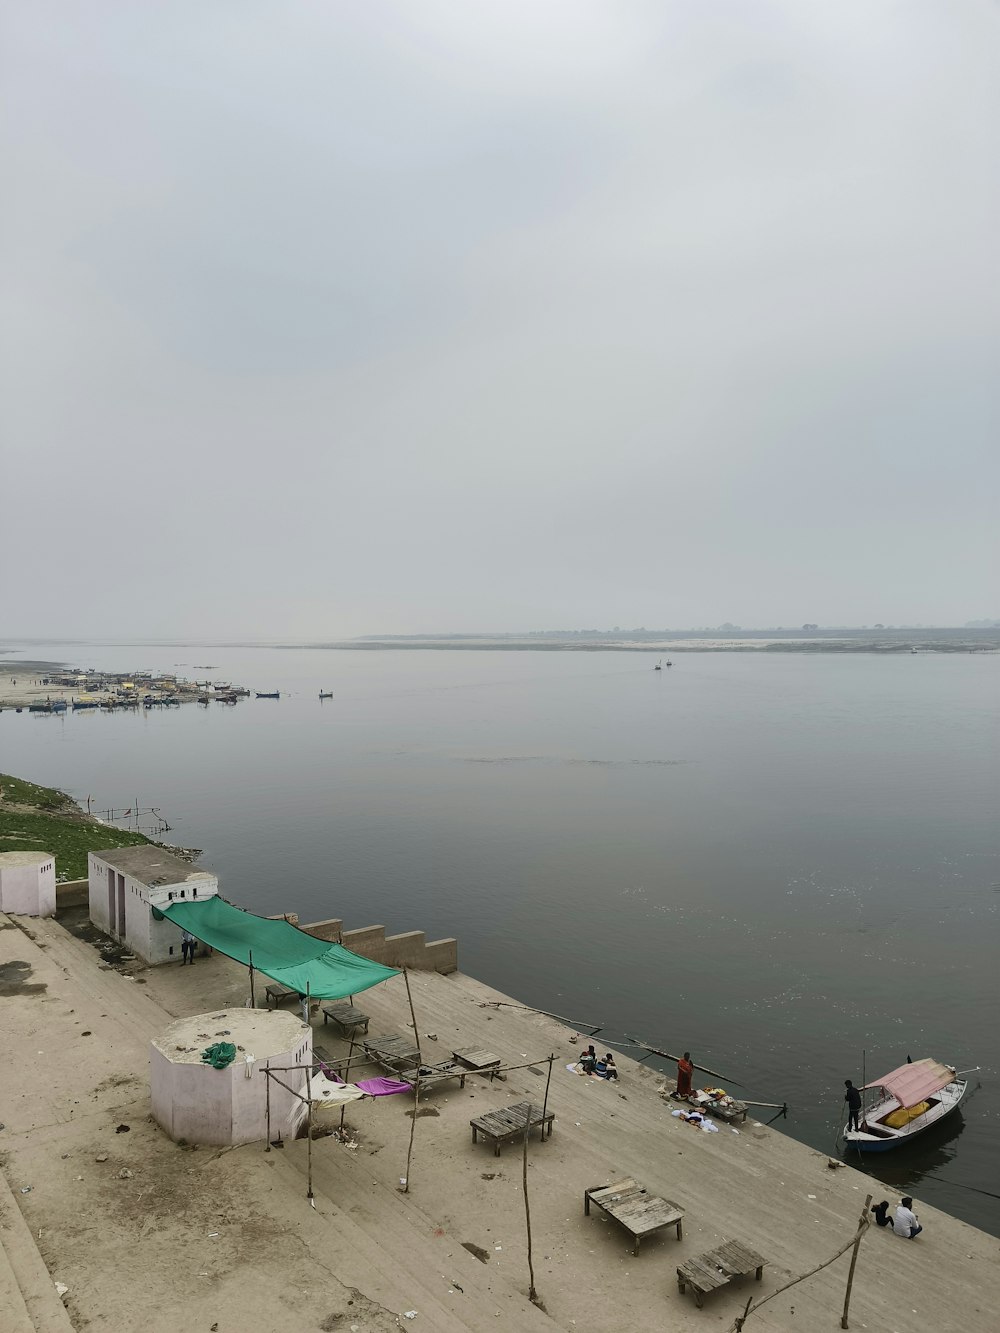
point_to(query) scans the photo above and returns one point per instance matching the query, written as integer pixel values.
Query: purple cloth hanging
(383, 1087)
(374, 1087)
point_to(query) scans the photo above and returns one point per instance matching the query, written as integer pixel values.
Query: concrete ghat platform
(192, 1238)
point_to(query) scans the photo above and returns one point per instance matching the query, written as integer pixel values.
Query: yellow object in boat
(900, 1118)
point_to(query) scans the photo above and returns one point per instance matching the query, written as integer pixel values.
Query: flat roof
(151, 865)
(24, 858)
(261, 1032)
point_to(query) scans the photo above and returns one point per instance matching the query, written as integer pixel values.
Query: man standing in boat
(853, 1099)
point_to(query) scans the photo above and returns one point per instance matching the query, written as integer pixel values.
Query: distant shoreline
(833, 639)
(977, 643)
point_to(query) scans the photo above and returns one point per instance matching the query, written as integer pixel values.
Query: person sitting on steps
(905, 1222)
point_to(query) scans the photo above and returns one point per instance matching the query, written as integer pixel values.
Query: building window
(170, 896)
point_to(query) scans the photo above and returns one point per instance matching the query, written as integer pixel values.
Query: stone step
(28, 1299)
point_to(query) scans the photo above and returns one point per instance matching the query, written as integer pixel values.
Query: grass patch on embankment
(16, 791)
(42, 819)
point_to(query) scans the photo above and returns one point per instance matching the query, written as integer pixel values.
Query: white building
(127, 883)
(28, 883)
(193, 1101)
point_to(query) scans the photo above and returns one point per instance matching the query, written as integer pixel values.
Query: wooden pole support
(309, 1108)
(416, 1085)
(863, 1224)
(532, 1294)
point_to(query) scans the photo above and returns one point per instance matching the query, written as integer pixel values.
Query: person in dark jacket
(853, 1099)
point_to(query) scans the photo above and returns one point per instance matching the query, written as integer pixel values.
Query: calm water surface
(778, 861)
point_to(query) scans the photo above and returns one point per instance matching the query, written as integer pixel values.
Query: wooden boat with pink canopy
(908, 1101)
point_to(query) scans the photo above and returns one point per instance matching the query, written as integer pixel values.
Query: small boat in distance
(669, 663)
(324, 695)
(909, 1100)
(273, 695)
(658, 667)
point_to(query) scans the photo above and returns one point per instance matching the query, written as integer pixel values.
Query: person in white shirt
(905, 1221)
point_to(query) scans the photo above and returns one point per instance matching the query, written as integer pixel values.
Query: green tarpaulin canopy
(280, 950)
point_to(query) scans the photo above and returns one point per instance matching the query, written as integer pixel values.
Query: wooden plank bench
(639, 1212)
(275, 994)
(718, 1267)
(346, 1017)
(445, 1069)
(478, 1061)
(391, 1052)
(508, 1123)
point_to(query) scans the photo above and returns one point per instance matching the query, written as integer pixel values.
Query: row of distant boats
(229, 696)
(106, 705)
(260, 694)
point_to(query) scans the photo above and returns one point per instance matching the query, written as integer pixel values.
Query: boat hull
(885, 1139)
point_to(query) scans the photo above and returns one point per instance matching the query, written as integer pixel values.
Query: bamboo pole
(545, 1099)
(416, 1085)
(665, 1055)
(546, 1013)
(293, 1068)
(751, 1307)
(863, 1225)
(253, 998)
(350, 1056)
(267, 1082)
(309, 1109)
(532, 1294)
(413, 1127)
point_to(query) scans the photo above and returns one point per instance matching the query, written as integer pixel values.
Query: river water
(786, 863)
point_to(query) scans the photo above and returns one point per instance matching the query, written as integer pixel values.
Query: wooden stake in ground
(863, 1224)
(532, 1293)
(416, 1086)
(545, 1100)
(309, 1109)
(350, 1057)
(267, 1093)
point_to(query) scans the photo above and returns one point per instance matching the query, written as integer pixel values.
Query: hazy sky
(327, 318)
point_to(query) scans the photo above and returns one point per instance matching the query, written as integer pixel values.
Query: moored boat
(324, 695)
(274, 695)
(909, 1100)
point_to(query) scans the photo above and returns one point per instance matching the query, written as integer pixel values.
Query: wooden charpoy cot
(346, 1016)
(275, 994)
(718, 1267)
(391, 1052)
(478, 1061)
(638, 1211)
(508, 1124)
(435, 1073)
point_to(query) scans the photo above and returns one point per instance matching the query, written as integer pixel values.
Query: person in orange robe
(684, 1071)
